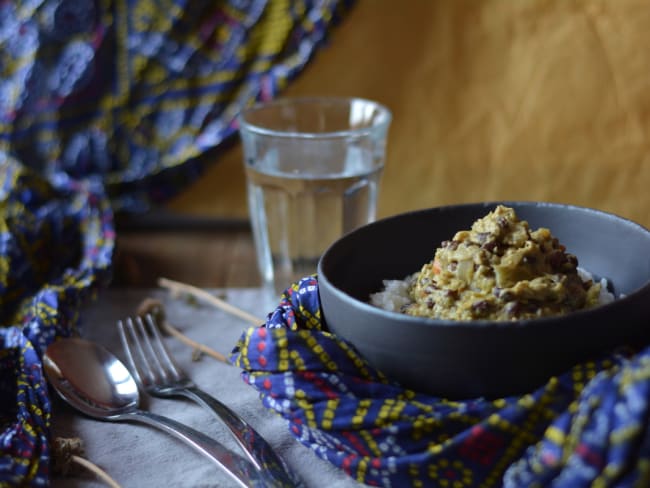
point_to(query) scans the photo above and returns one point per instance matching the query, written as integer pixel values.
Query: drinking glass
(313, 169)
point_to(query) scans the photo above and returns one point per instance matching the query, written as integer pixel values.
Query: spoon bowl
(95, 382)
(100, 392)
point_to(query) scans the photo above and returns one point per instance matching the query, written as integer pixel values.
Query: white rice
(605, 295)
(395, 294)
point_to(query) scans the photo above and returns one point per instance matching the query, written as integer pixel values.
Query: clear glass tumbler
(313, 169)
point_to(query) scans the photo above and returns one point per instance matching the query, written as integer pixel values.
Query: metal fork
(156, 371)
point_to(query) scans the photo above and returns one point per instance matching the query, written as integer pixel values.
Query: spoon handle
(242, 471)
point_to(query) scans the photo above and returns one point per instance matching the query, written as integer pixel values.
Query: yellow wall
(493, 99)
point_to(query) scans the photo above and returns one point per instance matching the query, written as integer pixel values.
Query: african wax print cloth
(144, 94)
(110, 107)
(56, 244)
(587, 427)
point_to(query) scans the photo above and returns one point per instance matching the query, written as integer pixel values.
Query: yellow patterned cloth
(109, 107)
(142, 94)
(587, 427)
(56, 244)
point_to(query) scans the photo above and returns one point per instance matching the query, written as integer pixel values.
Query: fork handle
(256, 448)
(240, 470)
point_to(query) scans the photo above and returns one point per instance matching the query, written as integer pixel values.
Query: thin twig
(157, 310)
(168, 328)
(176, 286)
(69, 450)
(95, 469)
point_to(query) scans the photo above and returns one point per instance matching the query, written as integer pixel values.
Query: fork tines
(146, 352)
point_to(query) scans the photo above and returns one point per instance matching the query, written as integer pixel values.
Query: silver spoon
(95, 382)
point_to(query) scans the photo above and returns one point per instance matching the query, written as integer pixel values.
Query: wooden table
(203, 252)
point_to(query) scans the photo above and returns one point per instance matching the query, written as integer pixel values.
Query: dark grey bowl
(484, 358)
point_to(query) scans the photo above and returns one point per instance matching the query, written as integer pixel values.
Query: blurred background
(540, 100)
(492, 100)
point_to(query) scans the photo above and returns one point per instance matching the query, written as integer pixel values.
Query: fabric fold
(107, 108)
(587, 425)
(57, 245)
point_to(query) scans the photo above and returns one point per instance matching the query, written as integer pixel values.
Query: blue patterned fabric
(110, 107)
(56, 244)
(587, 427)
(140, 94)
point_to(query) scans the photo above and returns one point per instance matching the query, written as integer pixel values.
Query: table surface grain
(205, 254)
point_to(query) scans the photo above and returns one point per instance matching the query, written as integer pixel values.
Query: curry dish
(500, 270)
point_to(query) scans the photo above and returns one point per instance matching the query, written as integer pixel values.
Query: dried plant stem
(95, 469)
(171, 330)
(69, 450)
(157, 310)
(199, 293)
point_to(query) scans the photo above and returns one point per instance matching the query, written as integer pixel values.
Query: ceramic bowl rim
(481, 323)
